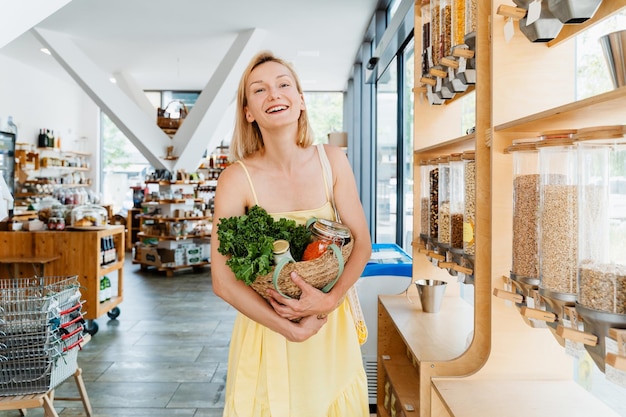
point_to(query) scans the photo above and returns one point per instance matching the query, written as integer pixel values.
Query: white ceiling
(177, 45)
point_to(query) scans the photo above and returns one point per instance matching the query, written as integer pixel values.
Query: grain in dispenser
(601, 298)
(444, 204)
(469, 209)
(457, 202)
(424, 200)
(433, 199)
(558, 219)
(525, 262)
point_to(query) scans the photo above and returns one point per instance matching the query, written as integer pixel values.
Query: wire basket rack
(41, 326)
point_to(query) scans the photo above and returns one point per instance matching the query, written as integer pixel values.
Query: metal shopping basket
(41, 327)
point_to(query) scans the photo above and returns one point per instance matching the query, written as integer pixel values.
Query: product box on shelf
(169, 244)
(147, 255)
(205, 245)
(151, 255)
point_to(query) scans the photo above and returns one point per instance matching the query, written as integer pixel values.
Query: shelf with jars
(41, 172)
(499, 346)
(174, 227)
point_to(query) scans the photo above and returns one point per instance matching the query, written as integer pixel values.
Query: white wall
(37, 100)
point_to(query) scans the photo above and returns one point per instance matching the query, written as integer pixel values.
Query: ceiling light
(113, 80)
(45, 51)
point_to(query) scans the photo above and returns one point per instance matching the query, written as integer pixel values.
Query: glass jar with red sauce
(324, 233)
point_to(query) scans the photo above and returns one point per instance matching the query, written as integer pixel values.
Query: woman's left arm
(351, 211)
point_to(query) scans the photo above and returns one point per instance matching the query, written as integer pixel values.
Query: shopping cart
(41, 328)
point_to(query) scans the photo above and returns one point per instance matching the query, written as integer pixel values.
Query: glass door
(387, 154)
(394, 150)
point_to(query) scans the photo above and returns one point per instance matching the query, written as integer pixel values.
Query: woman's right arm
(231, 200)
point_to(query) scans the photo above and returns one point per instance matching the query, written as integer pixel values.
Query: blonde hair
(247, 138)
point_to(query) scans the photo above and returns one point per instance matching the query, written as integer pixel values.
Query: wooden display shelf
(74, 253)
(435, 342)
(176, 182)
(173, 201)
(174, 219)
(593, 111)
(515, 398)
(400, 393)
(170, 270)
(141, 235)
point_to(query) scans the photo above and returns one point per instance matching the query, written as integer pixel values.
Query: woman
(279, 367)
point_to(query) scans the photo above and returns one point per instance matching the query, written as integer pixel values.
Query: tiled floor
(165, 356)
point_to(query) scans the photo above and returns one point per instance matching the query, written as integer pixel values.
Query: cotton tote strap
(328, 177)
(256, 200)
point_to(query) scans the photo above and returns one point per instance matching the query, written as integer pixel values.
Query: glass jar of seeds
(435, 31)
(425, 168)
(525, 262)
(602, 218)
(446, 27)
(471, 16)
(458, 22)
(426, 45)
(433, 199)
(457, 201)
(558, 213)
(469, 201)
(443, 236)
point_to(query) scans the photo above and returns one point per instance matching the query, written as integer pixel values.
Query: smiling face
(273, 99)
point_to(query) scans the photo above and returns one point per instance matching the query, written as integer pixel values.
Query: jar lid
(455, 157)
(331, 229)
(468, 155)
(601, 132)
(280, 246)
(522, 145)
(556, 141)
(557, 134)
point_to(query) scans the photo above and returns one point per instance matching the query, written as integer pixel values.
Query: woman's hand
(305, 328)
(312, 302)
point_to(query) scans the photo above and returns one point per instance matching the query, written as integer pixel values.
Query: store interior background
(150, 46)
(37, 92)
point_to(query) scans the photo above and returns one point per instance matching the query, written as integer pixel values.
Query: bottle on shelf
(102, 292)
(107, 288)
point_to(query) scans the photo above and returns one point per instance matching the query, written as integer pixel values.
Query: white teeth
(275, 109)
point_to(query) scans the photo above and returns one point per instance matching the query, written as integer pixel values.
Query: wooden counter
(515, 398)
(414, 346)
(75, 252)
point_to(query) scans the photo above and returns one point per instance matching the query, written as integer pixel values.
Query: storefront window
(387, 154)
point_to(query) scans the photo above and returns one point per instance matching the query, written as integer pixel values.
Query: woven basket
(318, 272)
(164, 121)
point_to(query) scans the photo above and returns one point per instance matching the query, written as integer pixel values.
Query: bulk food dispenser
(433, 199)
(443, 229)
(469, 201)
(525, 257)
(601, 301)
(558, 220)
(424, 203)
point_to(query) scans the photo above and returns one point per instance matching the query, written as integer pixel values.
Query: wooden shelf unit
(522, 89)
(133, 227)
(154, 229)
(77, 253)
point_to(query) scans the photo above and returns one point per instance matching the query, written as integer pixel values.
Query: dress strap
(328, 177)
(256, 200)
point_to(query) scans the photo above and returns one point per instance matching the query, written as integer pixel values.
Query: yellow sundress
(269, 376)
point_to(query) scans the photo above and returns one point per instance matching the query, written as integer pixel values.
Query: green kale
(249, 239)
